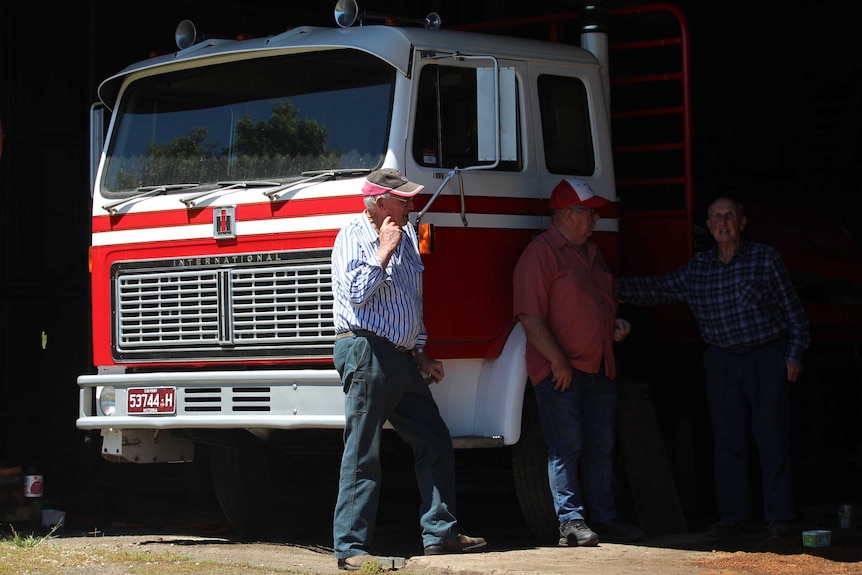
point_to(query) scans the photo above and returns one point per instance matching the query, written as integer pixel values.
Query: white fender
(484, 398)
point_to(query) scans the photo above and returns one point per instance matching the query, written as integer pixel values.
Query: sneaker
(723, 529)
(357, 562)
(576, 534)
(615, 530)
(780, 529)
(462, 544)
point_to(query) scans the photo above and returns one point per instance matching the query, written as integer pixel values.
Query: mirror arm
(463, 202)
(427, 206)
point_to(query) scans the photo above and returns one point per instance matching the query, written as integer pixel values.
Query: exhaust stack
(594, 37)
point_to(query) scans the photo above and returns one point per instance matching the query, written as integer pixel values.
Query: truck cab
(228, 168)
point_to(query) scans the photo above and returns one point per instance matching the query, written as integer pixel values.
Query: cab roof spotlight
(347, 12)
(186, 35)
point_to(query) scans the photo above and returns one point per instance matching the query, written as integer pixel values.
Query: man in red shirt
(564, 298)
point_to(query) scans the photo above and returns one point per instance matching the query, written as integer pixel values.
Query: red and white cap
(572, 192)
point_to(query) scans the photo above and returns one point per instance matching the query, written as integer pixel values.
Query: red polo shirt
(574, 294)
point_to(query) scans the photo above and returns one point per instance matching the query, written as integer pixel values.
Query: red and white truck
(229, 166)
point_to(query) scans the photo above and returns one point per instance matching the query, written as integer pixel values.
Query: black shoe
(576, 534)
(723, 529)
(462, 544)
(780, 529)
(615, 530)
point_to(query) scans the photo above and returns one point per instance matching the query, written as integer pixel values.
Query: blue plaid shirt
(740, 305)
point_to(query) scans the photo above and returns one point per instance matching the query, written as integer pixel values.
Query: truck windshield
(269, 118)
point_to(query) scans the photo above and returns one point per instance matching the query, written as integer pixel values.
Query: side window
(445, 132)
(566, 131)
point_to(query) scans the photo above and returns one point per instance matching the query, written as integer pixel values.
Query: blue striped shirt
(739, 305)
(387, 302)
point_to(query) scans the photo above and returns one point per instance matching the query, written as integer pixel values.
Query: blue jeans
(381, 383)
(578, 425)
(750, 391)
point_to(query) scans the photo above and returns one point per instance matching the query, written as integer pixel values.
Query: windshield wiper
(190, 201)
(317, 176)
(146, 192)
(340, 172)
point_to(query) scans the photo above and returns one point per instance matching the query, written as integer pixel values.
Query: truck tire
(243, 488)
(530, 471)
(266, 494)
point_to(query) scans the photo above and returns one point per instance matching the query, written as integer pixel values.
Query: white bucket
(33, 486)
(53, 517)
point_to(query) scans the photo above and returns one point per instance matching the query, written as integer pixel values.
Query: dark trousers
(383, 384)
(750, 392)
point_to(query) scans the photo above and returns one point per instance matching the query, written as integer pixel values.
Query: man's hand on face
(390, 234)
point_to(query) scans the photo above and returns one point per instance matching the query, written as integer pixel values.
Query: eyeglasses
(589, 211)
(404, 201)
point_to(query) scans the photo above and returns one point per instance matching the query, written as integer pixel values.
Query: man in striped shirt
(750, 316)
(380, 354)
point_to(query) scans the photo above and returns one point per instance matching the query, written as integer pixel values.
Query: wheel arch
(501, 394)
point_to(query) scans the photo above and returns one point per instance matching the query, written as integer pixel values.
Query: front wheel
(243, 487)
(267, 493)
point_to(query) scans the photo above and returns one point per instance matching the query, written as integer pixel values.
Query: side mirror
(496, 114)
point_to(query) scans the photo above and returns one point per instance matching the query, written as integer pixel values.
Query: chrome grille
(267, 305)
(167, 309)
(289, 303)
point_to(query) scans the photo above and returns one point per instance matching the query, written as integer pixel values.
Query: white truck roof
(391, 44)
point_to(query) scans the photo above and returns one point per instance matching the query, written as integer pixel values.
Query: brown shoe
(356, 562)
(462, 544)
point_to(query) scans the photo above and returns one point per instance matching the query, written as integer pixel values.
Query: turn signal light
(425, 233)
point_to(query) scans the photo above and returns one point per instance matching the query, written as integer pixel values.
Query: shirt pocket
(753, 294)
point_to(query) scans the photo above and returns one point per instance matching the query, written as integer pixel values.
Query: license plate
(147, 400)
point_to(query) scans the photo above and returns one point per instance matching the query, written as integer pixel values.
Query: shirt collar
(368, 228)
(558, 241)
(740, 251)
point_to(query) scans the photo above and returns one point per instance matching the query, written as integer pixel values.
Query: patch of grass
(372, 568)
(30, 540)
(26, 554)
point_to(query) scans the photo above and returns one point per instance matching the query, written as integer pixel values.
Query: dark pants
(578, 425)
(751, 390)
(383, 384)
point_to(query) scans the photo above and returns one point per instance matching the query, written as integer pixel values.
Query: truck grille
(275, 304)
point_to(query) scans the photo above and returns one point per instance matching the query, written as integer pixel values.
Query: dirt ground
(208, 547)
(223, 556)
(191, 537)
(674, 555)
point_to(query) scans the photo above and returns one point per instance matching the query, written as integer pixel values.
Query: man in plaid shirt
(750, 316)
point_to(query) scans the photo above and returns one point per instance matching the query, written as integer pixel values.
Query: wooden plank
(20, 513)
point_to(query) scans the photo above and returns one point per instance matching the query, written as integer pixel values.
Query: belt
(366, 333)
(744, 349)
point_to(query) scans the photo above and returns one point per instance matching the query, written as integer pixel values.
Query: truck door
(486, 213)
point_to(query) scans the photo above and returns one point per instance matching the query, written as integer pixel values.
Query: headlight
(108, 400)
